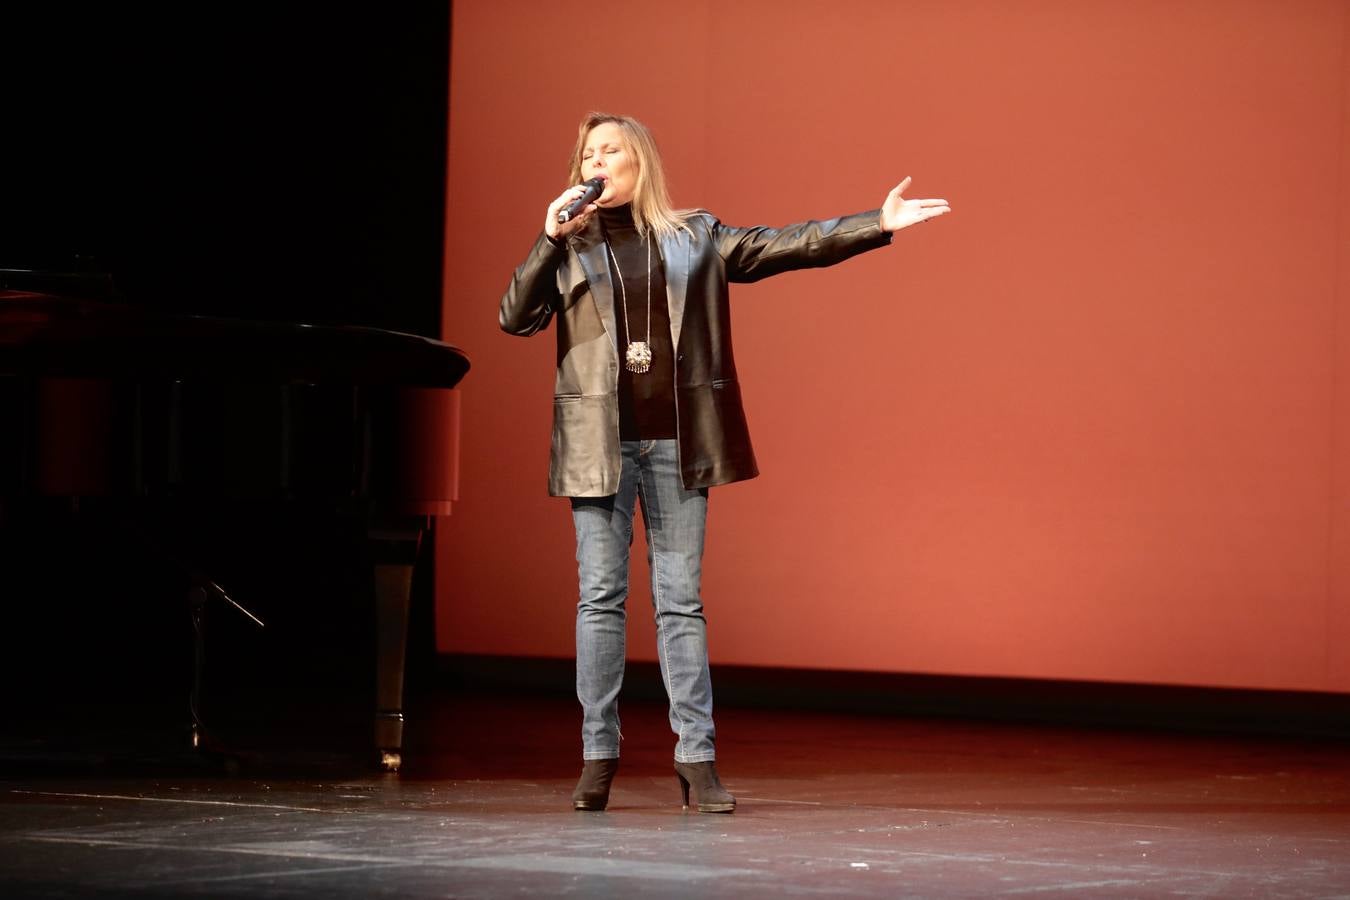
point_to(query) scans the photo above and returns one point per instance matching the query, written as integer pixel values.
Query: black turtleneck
(646, 401)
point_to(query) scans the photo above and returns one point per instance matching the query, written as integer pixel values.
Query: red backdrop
(1093, 425)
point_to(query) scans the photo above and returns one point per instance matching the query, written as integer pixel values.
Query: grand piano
(157, 414)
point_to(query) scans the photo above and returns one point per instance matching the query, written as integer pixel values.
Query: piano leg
(199, 596)
(197, 607)
(394, 563)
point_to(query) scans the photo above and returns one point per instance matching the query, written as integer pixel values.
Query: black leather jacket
(574, 282)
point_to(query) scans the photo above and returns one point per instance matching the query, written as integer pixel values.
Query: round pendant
(639, 357)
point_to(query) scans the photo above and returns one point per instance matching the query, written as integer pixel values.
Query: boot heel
(709, 795)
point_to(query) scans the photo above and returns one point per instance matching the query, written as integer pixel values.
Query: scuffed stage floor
(829, 806)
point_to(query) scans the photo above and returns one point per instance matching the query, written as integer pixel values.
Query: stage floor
(828, 806)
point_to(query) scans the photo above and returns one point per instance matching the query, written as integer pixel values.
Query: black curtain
(280, 162)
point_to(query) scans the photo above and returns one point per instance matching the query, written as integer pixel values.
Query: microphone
(594, 188)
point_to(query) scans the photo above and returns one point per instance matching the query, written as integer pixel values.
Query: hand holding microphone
(594, 187)
(571, 210)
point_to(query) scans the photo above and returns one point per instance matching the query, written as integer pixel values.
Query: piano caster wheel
(215, 753)
(390, 760)
(204, 743)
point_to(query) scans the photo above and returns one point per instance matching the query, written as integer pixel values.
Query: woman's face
(606, 153)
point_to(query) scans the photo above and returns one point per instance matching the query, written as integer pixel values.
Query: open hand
(897, 212)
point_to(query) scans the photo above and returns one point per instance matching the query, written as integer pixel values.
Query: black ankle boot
(709, 794)
(593, 789)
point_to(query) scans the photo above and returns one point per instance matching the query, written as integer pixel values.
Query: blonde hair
(651, 200)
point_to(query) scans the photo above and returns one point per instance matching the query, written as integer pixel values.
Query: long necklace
(638, 359)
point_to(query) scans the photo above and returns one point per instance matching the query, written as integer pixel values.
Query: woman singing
(647, 410)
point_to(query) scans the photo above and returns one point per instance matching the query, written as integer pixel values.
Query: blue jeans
(674, 519)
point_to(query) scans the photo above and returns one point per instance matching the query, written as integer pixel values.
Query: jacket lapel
(675, 252)
(589, 245)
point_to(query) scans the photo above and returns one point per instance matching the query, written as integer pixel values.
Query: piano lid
(62, 324)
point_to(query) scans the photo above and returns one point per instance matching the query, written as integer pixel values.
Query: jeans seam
(604, 752)
(661, 626)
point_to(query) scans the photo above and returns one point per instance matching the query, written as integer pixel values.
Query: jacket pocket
(584, 459)
(714, 438)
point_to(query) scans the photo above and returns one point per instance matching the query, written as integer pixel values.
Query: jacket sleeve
(758, 252)
(533, 297)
